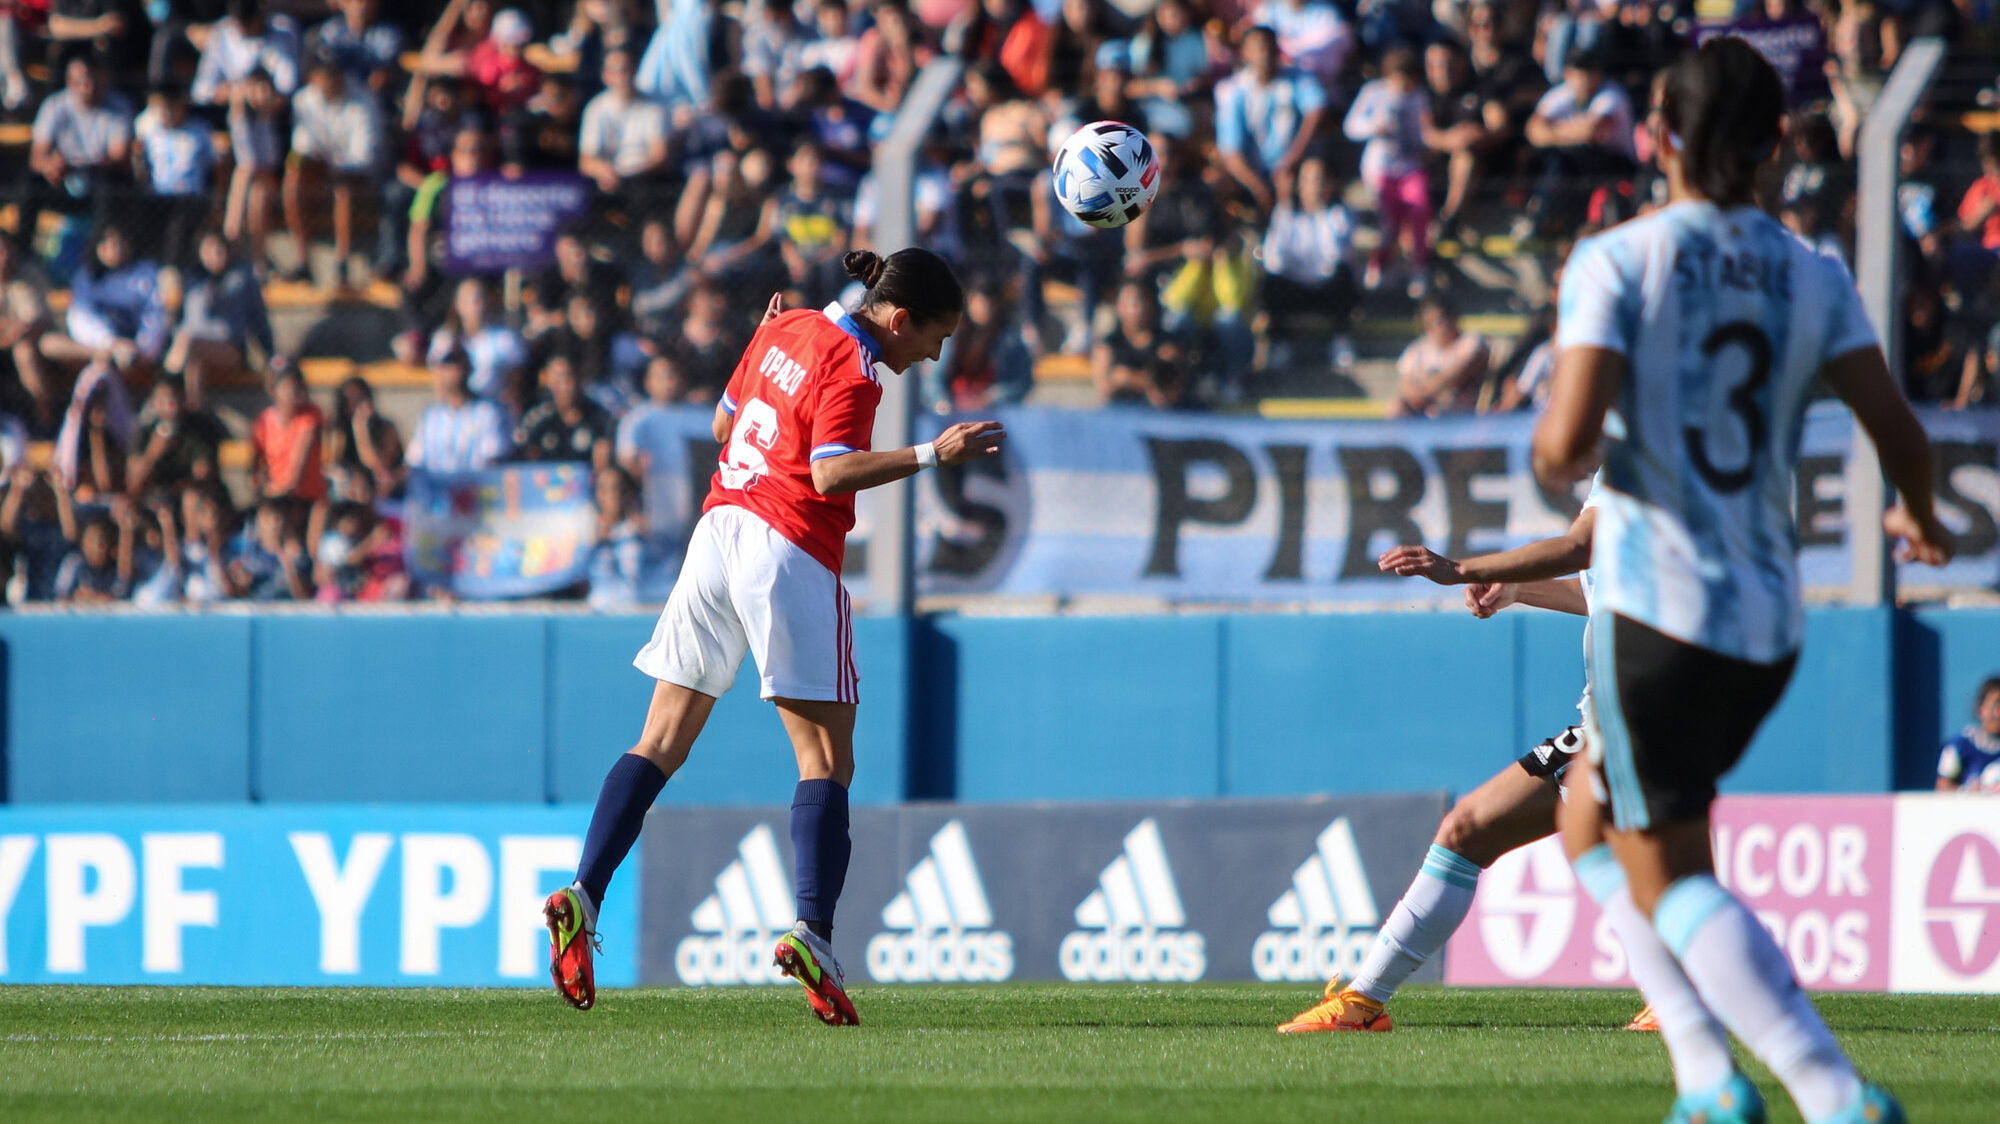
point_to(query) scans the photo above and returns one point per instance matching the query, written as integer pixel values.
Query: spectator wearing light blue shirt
(650, 424)
(116, 314)
(457, 433)
(495, 352)
(773, 45)
(337, 131)
(618, 560)
(222, 314)
(1312, 35)
(179, 165)
(242, 41)
(80, 147)
(367, 49)
(1171, 69)
(1390, 114)
(1308, 249)
(1265, 117)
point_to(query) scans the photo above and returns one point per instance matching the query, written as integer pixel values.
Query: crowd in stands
(1315, 155)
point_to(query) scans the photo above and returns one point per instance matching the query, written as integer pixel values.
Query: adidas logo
(736, 926)
(1322, 926)
(942, 924)
(1131, 922)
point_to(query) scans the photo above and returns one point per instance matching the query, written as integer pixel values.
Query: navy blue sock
(629, 790)
(820, 842)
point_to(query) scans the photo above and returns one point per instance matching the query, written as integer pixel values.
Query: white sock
(589, 910)
(1746, 981)
(1697, 1043)
(1426, 917)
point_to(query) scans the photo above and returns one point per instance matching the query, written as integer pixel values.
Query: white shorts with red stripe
(746, 588)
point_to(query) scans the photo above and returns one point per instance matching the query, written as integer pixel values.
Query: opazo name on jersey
(782, 371)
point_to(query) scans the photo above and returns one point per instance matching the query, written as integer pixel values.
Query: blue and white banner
(516, 531)
(446, 895)
(1230, 509)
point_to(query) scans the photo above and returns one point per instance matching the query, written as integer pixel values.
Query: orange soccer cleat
(571, 942)
(1343, 1009)
(1645, 1021)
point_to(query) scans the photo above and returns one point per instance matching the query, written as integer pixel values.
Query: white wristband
(927, 456)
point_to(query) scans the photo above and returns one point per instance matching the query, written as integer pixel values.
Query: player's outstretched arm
(855, 472)
(1563, 595)
(1537, 561)
(1862, 379)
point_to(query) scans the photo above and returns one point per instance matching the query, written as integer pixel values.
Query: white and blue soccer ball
(1107, 174)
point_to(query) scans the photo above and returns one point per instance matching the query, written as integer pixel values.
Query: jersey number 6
(756, 430)
(1742, 400)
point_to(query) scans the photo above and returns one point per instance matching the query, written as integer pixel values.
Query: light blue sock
(1697, 1043)
(1745, 979)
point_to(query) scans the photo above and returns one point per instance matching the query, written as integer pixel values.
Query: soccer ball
(1107, 174)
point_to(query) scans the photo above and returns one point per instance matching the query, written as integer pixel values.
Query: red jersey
(806, 389)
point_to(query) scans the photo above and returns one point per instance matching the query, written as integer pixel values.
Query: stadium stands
(728, 157)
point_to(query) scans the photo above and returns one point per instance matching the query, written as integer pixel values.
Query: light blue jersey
(1724, 319)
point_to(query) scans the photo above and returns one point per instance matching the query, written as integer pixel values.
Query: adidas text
(735, 926)
(941, 925)
(948, 956)
(1325, 924)
(1132, 923)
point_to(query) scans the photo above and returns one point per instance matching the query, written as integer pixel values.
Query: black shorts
(1551, 759)
(1674, 719)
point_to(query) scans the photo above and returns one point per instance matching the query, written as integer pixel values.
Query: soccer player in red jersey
(762, 576)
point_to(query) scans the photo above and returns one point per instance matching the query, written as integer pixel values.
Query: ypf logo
(1527, 907)
(1962, 904)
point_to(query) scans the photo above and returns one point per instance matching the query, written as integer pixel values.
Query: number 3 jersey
(1724, 320)
(806, 389)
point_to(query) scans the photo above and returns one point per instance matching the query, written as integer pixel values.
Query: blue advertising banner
(494, 223)
(515, 531)
(1160, 892)
(1234, 509)
(430, 895)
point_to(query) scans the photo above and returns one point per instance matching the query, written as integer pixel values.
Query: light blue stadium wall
(127, 708)
(471, 707)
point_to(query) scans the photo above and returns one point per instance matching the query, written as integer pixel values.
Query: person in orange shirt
(1010, 33)
(1979, 211)
(285, 443)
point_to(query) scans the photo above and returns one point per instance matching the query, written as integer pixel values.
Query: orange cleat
(1343, 1009)
(1645, 1021)
(570, 947)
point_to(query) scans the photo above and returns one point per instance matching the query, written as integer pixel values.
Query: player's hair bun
(912, 279)
(863, 266)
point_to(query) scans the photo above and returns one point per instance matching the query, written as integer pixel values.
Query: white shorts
(744, 587)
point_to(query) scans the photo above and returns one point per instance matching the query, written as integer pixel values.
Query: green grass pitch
(1008, 1052)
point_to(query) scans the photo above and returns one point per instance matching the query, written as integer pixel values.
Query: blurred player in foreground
(762, 576)
(1514, 808)
(1703, 326)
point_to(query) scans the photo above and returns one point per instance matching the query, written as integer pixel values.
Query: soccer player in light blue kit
(1689, 341)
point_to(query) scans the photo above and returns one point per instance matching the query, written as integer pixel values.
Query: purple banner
(494, 223)
(1795, 46)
